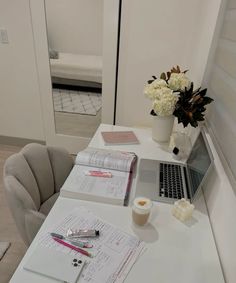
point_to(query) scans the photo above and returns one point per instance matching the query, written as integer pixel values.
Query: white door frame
(110, 38)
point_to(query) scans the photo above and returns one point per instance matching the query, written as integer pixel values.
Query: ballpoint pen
(79, 250)
(81, 244)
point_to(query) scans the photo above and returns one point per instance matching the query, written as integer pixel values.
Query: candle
(182, 209)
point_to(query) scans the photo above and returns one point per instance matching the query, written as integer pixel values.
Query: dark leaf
(163, 76)
(174, 70)
(153, 113)
(207, 100)
(203, 92)
(194, 123)
(168, 75)
(196, 91)
(190, 107)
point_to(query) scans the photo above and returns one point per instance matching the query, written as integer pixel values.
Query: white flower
(179, 81)
(154, 89)
(165, 105)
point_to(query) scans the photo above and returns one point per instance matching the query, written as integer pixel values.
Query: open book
(114, 189)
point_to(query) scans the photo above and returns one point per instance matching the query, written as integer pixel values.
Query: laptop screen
(198, 163)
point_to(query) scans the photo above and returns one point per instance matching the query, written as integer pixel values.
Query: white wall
(20, 112)
(221, 203)
(221, 82)
(156, 35)
(222, 87)
(75, 26)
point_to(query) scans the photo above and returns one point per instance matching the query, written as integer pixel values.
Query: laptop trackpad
(148, 179)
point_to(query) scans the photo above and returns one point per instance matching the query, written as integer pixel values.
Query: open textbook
(114, 251)
(114, 190)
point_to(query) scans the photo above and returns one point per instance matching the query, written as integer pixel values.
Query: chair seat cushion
(48, 204)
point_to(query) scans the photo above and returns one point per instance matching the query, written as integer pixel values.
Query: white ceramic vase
(162, 128)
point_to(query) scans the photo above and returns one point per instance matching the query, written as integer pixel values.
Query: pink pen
(94, 173)
(72, 247)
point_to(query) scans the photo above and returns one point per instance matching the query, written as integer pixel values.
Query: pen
(75, 243)
(79, 250)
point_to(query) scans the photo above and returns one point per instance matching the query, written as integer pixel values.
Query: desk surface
(176, 251)
(146, 149)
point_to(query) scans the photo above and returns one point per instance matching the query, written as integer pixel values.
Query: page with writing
(102, 158)
(109, 190)
(115, 251)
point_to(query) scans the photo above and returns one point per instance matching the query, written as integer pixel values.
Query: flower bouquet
(173, 94)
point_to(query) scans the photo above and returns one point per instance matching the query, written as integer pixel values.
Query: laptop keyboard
(171, 184)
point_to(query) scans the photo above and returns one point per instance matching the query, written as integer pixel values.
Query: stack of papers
(115, 251)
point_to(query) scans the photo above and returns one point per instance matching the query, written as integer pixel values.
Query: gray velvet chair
(33, 178)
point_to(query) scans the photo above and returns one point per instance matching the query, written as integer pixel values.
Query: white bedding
(77, 67)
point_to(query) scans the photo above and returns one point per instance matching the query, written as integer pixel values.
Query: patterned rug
(3, 248)
(80, 102)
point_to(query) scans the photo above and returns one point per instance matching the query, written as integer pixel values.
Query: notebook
(167, 181)
(55, 264)
(119, 138)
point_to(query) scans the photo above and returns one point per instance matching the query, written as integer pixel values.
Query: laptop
(170, 181)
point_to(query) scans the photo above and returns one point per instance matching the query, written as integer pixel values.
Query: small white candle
(182, 209)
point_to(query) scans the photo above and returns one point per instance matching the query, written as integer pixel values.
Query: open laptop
(169, 181)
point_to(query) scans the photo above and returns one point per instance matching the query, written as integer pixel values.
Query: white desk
(177, 252)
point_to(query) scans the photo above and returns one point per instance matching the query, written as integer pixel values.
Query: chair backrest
(31, 177)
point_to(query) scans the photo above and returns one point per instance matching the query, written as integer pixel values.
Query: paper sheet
(114, 251)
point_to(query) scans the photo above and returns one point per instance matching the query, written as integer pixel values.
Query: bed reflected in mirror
(75, 30)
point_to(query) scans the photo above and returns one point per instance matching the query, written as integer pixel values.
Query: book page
(102, 158)
(113, 188)
(114, 251)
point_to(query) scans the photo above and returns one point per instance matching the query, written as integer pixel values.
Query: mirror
(75, 39)
(110, 25)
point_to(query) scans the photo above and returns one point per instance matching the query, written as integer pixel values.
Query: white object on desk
(182, 209)
(115, 251)
(54, 264)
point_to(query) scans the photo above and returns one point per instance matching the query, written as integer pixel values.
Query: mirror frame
(110, 48)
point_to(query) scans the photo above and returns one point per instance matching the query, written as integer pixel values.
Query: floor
(77, 124)
(8, 230)
(75, 101)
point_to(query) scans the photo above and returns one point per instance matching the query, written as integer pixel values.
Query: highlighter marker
(79, 250)
(75, 243)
